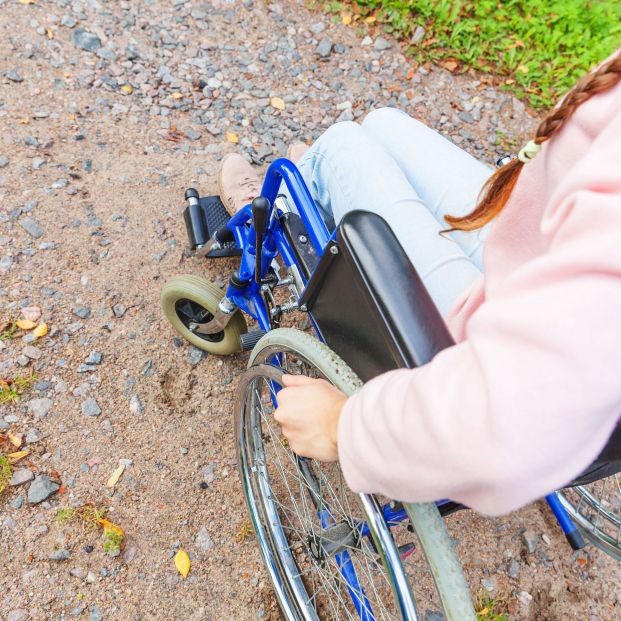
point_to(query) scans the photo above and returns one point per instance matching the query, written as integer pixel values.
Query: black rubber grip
(575, 539)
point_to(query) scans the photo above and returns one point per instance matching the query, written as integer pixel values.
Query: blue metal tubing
(561, 514)
(356, 592)
(284, 170)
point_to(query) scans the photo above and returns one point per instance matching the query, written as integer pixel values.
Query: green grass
(6, 472)
(13, 389)
(489, 609)
(538, 48)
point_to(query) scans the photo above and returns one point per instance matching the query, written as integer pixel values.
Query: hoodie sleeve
(530, 397)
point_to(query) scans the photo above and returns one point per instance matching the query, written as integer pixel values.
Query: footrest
(202, 220)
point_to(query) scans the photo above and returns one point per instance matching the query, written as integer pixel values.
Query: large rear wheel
(332, 554)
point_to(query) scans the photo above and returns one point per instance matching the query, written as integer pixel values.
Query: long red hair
(498, 188)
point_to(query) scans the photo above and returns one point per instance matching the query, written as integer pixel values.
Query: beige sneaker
(238, 183)
(296, 151)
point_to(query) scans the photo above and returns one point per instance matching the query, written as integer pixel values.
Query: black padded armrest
(417, 328)
(369, 303)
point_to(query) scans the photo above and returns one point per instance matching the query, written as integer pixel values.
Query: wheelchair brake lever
(260, 214)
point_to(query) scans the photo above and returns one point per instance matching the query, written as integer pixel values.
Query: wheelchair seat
(372, 308)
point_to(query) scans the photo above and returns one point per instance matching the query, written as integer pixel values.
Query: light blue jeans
(410, 175)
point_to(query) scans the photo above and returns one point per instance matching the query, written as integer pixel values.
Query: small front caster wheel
(190, 299)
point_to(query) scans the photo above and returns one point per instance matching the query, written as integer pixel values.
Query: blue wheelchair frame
(250, 300)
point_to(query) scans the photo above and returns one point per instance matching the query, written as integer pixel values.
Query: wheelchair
(331, 553)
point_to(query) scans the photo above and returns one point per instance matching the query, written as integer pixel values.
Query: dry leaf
(50, 34)
(232, 137)
(16, 439)
(126, 88)
(450, 65)
(116, 475)
(24, 121)
(177, 95)
(40, 330)
(346, 19)
(26, 1)
(278, 103)
(32, 313)
(109, 526)
(17, 456)
(182, 563)
(371, 19)
(25, 324)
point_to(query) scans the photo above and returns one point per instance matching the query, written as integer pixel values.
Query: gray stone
(39, 408)
(82, 312)
(34, 353)
(95, 357)
(21, 476)
(324, 48)
(95, 614)
(195, 355)
(32, 227)
(14, 76)
(135, 405)
(382, 44)
(41, 488)
(86, 368)
(203, 540)
(90, 407)
(513, 571)
(418, 36)
(4, 161)
(32, 436)
(59, 555)
(85, 40)
(17, 502)
(118, 310)
(9, 523)
(18, 615)
(466, 117)
(69, 21)
(192, 134)
(529, 539)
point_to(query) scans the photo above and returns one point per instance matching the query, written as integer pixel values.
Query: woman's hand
(309, 412)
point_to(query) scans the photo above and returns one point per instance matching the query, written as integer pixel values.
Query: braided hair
(498, 188)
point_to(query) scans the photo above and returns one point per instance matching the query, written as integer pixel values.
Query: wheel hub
(331, 541)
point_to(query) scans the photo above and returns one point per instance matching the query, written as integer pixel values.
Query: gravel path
(108, 111)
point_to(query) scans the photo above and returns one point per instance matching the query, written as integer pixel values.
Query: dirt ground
(101, 170)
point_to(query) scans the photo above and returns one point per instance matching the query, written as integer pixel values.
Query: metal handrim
(292, 591)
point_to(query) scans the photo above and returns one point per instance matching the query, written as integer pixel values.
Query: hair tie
(528, 151)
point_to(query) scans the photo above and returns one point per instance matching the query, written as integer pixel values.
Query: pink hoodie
(531, 392)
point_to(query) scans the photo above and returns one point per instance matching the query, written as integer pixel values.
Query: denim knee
(340, 137)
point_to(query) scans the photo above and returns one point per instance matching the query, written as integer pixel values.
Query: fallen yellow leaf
(278, 103)
(177, 95)
(17, 456)
(346, 19)
(24, 121)
(126, 88)
(25, 324)
(116, 475)
(232, 137)
(109, 526)
(182, 563)
(16, 438)
(40, 330)
(50, 34)
(26, 1)
(371, 19)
